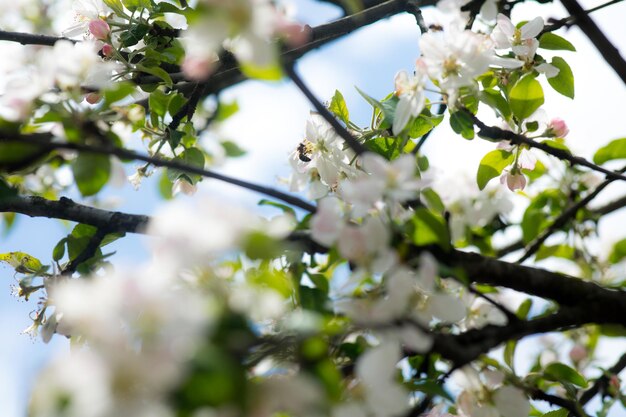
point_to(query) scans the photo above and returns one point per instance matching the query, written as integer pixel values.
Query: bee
(436, 28)
(303, 150)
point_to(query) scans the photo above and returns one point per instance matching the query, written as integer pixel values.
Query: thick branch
(66, 209)
(30, 39)
(597, 37)
(564, 289)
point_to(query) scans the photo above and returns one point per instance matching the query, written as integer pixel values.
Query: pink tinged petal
(527, 160)
(511, 402)
(326, 224)
(532, 28)
(558, 127)
(548, 69)
(353, 244)
(514, 181)
(99, 29)
(401, 81)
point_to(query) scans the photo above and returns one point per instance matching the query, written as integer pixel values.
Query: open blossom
(410, 92)
(86, 14)
(523, 40)
(320, 159)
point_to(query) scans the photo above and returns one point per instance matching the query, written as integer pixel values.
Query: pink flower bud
(578, 353)
(92, 98)
(558, 128)
(513, 181)
(197, 69)
(107, 50)
(614, 385)
(99, 29)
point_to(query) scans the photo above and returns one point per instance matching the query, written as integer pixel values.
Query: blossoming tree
(370, 293)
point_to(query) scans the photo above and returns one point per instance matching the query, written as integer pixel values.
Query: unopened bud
(99, 29)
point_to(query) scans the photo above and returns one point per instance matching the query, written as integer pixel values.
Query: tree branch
(30, 39)
(66, 209)
(597, 37)
(45, 142)
(499, 134)
(352, 142)
(563, 219)
(88, 252)
(601, 383)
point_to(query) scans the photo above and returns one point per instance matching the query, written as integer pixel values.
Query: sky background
(270, 124)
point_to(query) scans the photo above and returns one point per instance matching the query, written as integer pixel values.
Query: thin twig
(87, 253)
(122, 153)
(354, 144)
(570, 20)
(498, 134)
(560, 221)
(601, 382)
(610, 53)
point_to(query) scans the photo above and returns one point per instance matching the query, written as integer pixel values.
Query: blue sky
(270, 125)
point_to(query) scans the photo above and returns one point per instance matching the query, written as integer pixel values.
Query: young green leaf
(492, 165)
(554, 42)
(462, 123)
(525, 97)
(91, 172)
(615, 149)
(339, 108)
(561, 372)
(563, 82)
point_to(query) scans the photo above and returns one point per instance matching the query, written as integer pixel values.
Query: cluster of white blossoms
(67, 66)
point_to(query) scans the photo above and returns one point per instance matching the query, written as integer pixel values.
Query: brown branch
(44, 141)
(498, 134)
(571, 406)
(602, 382)
(66, 209)
(602, 210)
(88, 252)
(564, 289)
(352, 142)
(597, 37)
(560, 221)
(31, 39)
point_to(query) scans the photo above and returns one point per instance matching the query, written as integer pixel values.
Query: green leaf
(116, 6)
(433, 200)
(157, 72)
(91, 172)
(431, 387)
(509, 353)
(22, 262)
(494, 99)
(159, 102)
(133, 5)
(562, 373)
(320, 281)
(430, 228)
(557, 251)
(563, 82)
(525, 97)
(462, 123)
(313, 299)
(619, 252)
(16, 156)
(59, 250)
(422, 125)
(492, 165)
(272, 72)
(133, 35)
(225, 110)
(285, 208)
(339, 108)
(554, 42)
(561, 412)
(616, 149)
(524, 309)
(232, 149)
(556, 145)
(117, 92)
